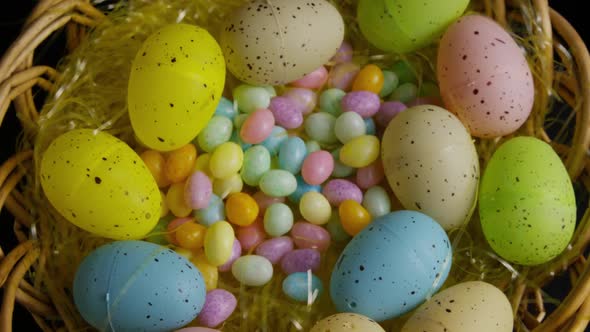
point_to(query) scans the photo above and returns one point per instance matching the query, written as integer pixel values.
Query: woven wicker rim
(18, 77)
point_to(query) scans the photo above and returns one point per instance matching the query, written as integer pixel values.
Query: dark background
(13, 15)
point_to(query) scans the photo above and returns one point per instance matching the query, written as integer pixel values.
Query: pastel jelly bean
(301, 260)
(330, 101)
(344, 53)
(219, 305)
(339, 190)
(370, 175)
(155, 163)
(388, 111)
(342, 76)
(291, 154)
(208, 271)
(172, 227)
(250, 98)
(302, 188)
(307, 235)
(405, 93)
(390, 83)
(257, 127)
(273, 142)
(190, 235)
(213, 213)
(306, 99)
(226, 108)
(315, 208)
(320, 127)
(317, 167)
(334, 227)
(256, 164)
(180, 163)
(353, 216)
(314, 80)
(163, 205)
(241, 209)
(217, 132)
(240, 119)
(287, 112)
(348, 126)
(202, 164)
(360, 151)
(252, 270)
(227, 186)
(236, 252)
(226, 160)
(299, 286)
(278, 183)
(370, 126)
(271, 90)
(365, 103)
(274, 249)
(175, 200)
(198, 190)
(405, 72)
(377, 202)
(340, 170)
(219, 241)
(251, 236)
(264, 201)
(312, 146)
(278, 219)
(370, 78)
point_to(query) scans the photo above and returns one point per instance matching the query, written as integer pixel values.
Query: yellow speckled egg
(431, 164)
(347, 322)
(100, 184)
(175, 85)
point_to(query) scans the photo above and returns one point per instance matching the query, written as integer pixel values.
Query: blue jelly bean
(371, 128)
(297, 286)
(291, 154)
(302, 188)
(235, 137)
(212, 213)
(226, 108)
(275, 139)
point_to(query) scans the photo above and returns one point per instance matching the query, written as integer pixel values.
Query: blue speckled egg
(392, 266)
(142, 287)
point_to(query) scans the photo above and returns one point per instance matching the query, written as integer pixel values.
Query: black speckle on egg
(97, 180)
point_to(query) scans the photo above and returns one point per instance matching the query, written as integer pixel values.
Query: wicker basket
(19, 76)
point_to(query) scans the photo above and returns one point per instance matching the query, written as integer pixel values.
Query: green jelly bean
(217, 132)
(406, 73)
(330, 101)
(377, 202)
(348, 126)
(312, 146)
(250, 98)
(256, 164)
(405, 93)
(278, 183)
(334, 227)
(390, 83)
(320, 127)
(278, 219)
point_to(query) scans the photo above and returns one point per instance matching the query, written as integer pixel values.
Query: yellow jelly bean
(202, 164)
(219, 242)
(241, 209)
(190, 235)
(175, 200)
(315, 208)
(370, 78)
(226, 160)
(163, 205)
(227, 186)
(360, 151)
(180, 163)
(155, 162)
(353, 216)
(209, 272)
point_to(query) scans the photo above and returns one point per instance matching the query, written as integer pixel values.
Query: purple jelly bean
(219, 305)
(301, 260)
(275, 248)
(236, 251)
(388, 111)
(339, 190)
(365, 103)
(287, 112)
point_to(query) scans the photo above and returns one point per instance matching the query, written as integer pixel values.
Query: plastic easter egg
(137, 276)
(219, 241)
(226, 108)
(360, 151)
(366, 267)
(171, 95)
(250, 98)
(315, 208)
(468, 306)
(254, 44)
(219, 305)
(348, 126)
(99, 184)
(252, 270)
(291, 154)
(278, 183)
(226, 160)
(300, 286)
(527, 202)
(227, 186)
(431, 164)
(217, 132)
(274, 249)
(484, 77)
(278, 219)
(345, 322)
(214, 212)
(256, 164)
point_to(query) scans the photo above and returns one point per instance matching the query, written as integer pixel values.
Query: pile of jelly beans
(273, 179)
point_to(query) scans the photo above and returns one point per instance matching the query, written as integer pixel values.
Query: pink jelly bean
(371, 175)
(339, 190)
(197, 190)
(344, 54)
(172, 226)
(310, 236)
(265, 201)
(236, 251)
(219, 305)
(274, 249)
(314, 80)
(251, 236)
(257, 126)
(426, 101)
(301, 260)
(317, 167)
(342, 76)
(306, 98)
(388, 111)
(287, 112)
(365, 103)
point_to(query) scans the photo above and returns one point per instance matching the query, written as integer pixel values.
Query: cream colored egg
(466, 307)
(347, 322)
(276, 42)
(431, 164)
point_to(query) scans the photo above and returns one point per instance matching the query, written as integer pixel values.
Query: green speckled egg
(527, 203)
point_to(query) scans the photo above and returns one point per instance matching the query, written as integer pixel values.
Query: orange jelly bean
(370, 78)
(353, 216)
(241, 209)
(180, 163)
(191, 235)
(175, 200)
(155, 162)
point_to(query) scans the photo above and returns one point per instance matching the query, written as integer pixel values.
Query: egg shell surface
(347, 322)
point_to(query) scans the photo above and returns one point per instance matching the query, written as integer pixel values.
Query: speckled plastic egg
(484, 77)
(527, 203)
(366, 268)
(466, 307)
(347, 322)
(149, 287)
(175, 85)
(99, 184)
(279, 42)
(431, 164)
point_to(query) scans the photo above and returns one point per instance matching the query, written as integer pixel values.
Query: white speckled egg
(281, 41)
(347, 322)
(484, 77)
(466, 307)
(431, 164)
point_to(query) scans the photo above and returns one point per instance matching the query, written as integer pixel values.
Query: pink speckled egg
(484, 77)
